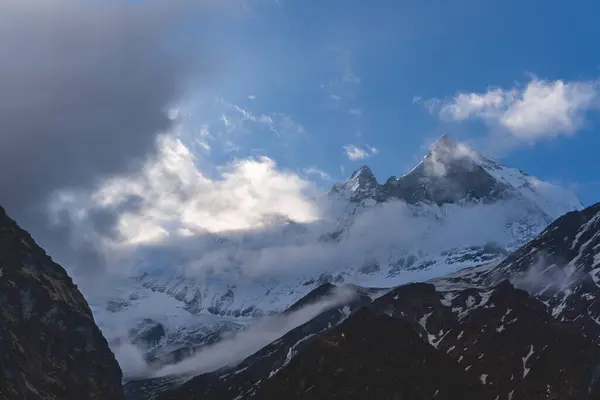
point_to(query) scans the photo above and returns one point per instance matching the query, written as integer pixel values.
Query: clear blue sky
(298, 81)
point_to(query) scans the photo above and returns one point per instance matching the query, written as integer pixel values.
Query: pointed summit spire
(362, 178)
(443, 143)
(363, 171)
(361, 184)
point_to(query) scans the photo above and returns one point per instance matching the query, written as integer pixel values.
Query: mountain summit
(443, 142)
(362, 183)
(451, 173)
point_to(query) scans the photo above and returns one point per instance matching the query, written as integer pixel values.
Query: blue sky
(304, 81)
(336, 73)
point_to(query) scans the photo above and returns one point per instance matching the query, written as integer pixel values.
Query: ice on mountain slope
(552, 199)
(427, 223)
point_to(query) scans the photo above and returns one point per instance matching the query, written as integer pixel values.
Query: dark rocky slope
(50, 346)
(561, 267)
(419, 341)
(372, 356)
(416, 343)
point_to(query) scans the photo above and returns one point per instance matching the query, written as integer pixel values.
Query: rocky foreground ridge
(50, 346)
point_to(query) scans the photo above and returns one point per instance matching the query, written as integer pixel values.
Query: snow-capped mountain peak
(552, 199)
(444, 144)
(363, 174)
(452, 173)
(361, 183)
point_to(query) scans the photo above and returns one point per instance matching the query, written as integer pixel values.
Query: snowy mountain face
(455, 209)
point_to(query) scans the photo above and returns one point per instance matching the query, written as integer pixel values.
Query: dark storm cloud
(84, 87)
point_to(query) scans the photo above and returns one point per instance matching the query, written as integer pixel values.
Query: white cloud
(204, 137)
(343, 87)
(245, 115)
(236, 120)
(175, 199)
(220, 128)
(550, 108)
(431, 105)
(226, 121)
(539, 109)
(377, 234)
(441, 155)
(314, 171)
(132, 360)
(355, 153)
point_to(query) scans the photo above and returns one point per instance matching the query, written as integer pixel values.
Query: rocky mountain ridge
(50, 346)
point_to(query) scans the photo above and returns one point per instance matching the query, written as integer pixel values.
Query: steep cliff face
(50, 346)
